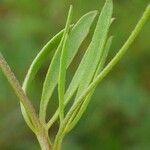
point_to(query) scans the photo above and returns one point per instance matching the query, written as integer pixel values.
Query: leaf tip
(112, 20)
(70, 8)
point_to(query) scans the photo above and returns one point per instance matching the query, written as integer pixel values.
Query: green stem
(18, 90)
(105, 71)
(58, 141)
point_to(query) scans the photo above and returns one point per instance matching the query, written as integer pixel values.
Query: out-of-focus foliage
(118, 116)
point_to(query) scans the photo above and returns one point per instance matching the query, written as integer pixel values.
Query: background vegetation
(119, 114)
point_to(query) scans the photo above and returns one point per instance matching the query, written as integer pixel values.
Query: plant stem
(58, 141)
(44, 140)
(41, 131)
(19, 92)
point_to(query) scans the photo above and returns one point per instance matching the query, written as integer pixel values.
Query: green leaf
(27, 118)
(63, 67)
(93, 55)
(40, 58)
(104, 57)
(79, 112)
(33, 69)
(75, 39)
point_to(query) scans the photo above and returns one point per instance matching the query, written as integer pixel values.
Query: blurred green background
(118, 117)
